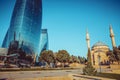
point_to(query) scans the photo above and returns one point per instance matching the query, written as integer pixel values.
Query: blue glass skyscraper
(44, 40)
(26, 24)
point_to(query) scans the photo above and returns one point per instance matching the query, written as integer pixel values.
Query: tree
(47, 56)
(116, 52)
(114, 55)
(82, 60)
(63, 56)
(74, 59)
(111, 56)
(89, 70)
(119, 47)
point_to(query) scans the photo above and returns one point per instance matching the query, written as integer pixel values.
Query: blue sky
(67, 21)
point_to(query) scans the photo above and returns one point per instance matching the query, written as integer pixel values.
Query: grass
(109, 75)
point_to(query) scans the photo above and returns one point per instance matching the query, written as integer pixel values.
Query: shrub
(89, 70)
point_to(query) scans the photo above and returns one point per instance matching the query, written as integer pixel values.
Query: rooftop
(99, 43)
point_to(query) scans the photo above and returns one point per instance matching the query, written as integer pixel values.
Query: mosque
(99, 50)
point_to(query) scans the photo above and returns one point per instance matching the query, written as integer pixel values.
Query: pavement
(48, 75)
(34, 74)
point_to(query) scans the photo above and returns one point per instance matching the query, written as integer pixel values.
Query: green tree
(74, 59)
(47, 56)
(63, 56)
(89, 70)
(116, 52)
(111, 56)
(119, 47)
(114, 55)
(82, 60)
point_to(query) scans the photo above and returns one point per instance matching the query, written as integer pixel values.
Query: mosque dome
(99, 44)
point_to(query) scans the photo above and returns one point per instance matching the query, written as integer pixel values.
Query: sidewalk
(85, 77)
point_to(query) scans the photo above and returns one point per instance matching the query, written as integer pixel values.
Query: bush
(89, 70)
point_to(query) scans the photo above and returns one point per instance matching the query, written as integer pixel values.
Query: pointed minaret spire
(88, 45)
(112, 36)
(88, 39)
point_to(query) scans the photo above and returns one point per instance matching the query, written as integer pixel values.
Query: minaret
(88, 40)
(88, 45)
(112, 37)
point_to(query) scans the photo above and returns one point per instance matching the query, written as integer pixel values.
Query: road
(34, 74)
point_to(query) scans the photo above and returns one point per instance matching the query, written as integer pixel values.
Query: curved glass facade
(44, 40)
(26, 23)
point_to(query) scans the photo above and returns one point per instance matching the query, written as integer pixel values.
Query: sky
(68, 20)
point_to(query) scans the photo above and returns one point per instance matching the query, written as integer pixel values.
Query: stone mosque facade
(98, 53)
(99, 50)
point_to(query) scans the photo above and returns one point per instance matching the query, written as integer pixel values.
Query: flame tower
(26, 23)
